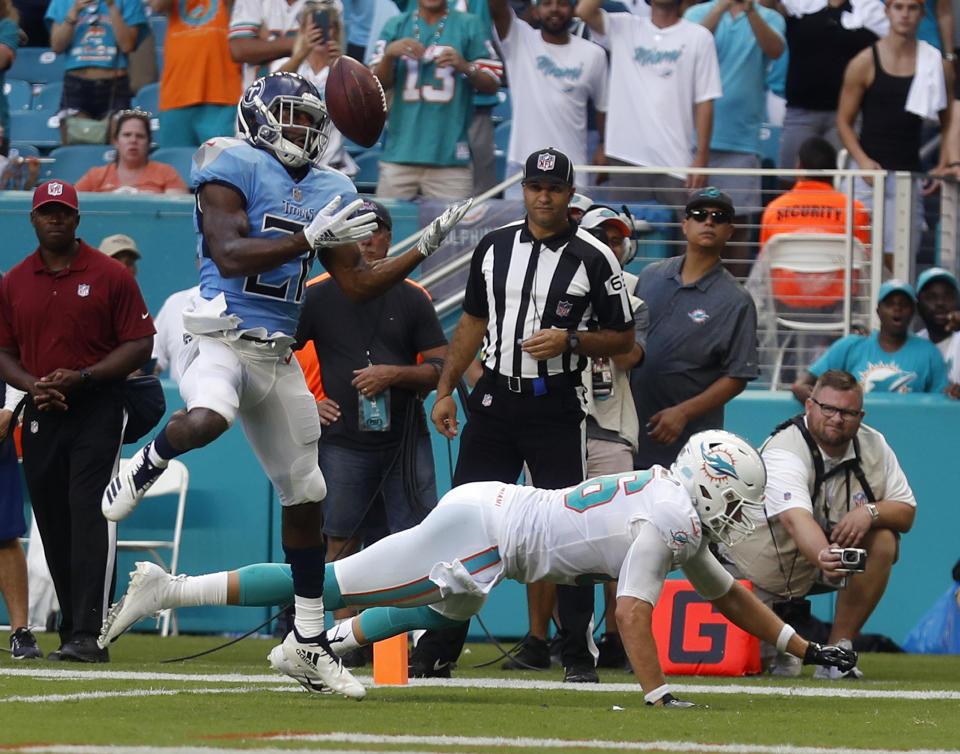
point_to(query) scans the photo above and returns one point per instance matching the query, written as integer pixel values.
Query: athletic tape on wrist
(657, 694)
(786, 633)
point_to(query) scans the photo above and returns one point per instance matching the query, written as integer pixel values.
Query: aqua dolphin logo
(717, 463)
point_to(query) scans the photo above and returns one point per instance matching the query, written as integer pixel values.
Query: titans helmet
(269, 106)
(725, 478)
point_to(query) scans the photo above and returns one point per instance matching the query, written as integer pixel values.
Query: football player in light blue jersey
(635, 527)
(264, 211)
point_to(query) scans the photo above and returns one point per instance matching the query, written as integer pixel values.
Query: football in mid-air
(355, 101)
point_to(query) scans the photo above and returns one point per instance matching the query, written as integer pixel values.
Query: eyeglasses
(719, 216)
(831, 411)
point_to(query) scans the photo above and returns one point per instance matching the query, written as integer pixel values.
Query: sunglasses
(720, 216)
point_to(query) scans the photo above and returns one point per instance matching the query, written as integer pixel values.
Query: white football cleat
(127, 489)
(314, 666)
(145, 596)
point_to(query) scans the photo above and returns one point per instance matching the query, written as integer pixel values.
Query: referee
(542, 296)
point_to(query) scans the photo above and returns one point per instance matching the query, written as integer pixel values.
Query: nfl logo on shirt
(83, 290)
(564, 308)
(546, 161)
(297, 194)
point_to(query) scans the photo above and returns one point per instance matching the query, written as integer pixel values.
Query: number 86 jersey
(276, 206)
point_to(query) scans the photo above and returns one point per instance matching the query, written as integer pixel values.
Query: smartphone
(321, 20)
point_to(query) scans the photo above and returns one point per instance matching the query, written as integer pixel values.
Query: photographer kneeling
(836, 503)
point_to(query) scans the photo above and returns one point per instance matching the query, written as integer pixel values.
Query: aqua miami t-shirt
(94, 43)
(916, 368)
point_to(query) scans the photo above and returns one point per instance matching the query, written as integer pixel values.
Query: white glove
(332, 228)
(435, 232)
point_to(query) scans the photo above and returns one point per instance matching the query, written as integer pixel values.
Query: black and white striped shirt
(522, 285)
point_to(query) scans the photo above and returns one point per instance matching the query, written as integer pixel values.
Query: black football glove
(830, 655)
(669, 700)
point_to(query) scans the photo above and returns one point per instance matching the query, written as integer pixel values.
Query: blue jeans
(353, 477)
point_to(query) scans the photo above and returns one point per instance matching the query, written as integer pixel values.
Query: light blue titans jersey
(276, 206)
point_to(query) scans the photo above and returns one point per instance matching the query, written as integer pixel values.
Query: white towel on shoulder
(928, 91)
(863, 14)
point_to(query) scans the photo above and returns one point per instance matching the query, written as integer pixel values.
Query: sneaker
(580, 674)
(126, 490)
(422, 666)
(81, 648)
(314, 666)
(359, 657)
(145, 596)
(824, 673)
(533, 655)
(612, 654)
(23, 645)
(786, 666)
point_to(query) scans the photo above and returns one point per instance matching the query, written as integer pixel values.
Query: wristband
(657, 694)
(786, 634)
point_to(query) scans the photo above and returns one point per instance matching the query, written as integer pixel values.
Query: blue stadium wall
(232, 516)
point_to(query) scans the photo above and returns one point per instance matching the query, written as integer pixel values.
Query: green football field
(231, 700)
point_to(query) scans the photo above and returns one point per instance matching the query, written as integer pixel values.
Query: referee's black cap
(548, 165)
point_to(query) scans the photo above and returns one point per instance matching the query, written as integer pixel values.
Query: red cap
(55, 191)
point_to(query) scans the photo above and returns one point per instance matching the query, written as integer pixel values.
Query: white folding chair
(173, 481)
(823, 254)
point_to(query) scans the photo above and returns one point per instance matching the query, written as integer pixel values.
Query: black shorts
(95, 98)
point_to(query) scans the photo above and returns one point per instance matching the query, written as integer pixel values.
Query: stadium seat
(180, 157)
(770, 145)
(366, 179)
(148, 98)
(37, 65)
(40, 128)
(46, 97)
(502, 111)
(158, 25)
(19, 94)
(72, 162)
(501, 136)
(22, 149)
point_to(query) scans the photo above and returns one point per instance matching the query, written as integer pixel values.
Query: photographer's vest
(769, 557)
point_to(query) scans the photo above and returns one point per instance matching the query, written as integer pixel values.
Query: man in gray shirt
(702, 342)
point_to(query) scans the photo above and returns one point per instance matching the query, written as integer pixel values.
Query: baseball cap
(936, 273)
(379, 211)
(892, 286)
(601, 215)
(548, 165)
(113, 245)
(710, 197)
(55, 191)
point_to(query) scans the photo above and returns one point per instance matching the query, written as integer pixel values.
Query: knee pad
(307, 484)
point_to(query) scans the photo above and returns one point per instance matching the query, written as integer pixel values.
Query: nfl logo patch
(546, 161)
(83, 290)
(34, 427)
(54, 188)
(487, 400)
(297, 194)
(563, 308)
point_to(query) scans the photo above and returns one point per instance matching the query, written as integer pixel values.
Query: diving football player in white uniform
(635, 527)
(264, 211)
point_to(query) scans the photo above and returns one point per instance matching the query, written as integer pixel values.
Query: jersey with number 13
(276, 206)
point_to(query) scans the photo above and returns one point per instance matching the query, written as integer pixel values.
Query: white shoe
(786, 666)
(145, 596)
(824, 673)
(127, 489)
(313, 665)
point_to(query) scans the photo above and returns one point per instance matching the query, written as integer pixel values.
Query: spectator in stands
(378, 356)
(132, 170)
(10, 39)
(263, 32)
(122, 248)
(359, 15)
(31, 21)
(937, 306)
(822, 38)
(890, 360)
(663, 66)
(832, 483)
(200, 83)
(702, 344)
(96, 36)
(314, 51)
(437, 58)
(553, 75)
(893, 86)
(749, 37)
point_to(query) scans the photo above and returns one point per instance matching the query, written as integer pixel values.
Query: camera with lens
(852, 559)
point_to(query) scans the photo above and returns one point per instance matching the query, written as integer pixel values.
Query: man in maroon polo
(73, 325)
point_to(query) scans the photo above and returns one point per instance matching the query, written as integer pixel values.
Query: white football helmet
(579, 204)
(725, 477)
(268, 106)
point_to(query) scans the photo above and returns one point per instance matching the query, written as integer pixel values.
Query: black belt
(527, 385)
(253, 339)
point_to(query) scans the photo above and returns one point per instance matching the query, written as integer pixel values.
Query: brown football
(355, 101)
